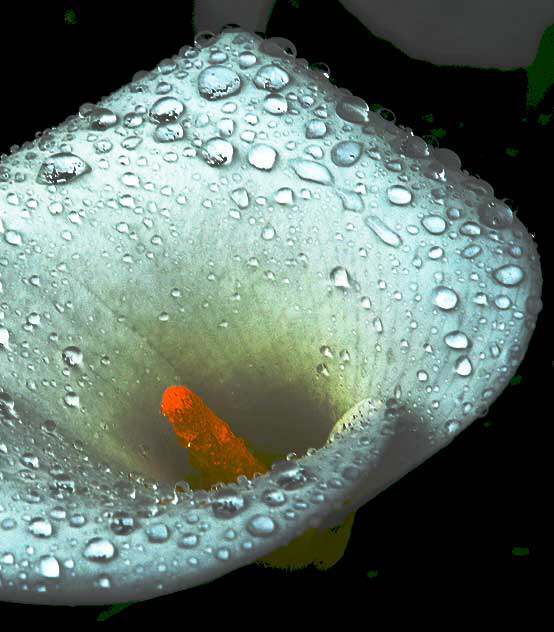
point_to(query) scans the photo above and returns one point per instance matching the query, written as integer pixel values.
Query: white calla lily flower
(327, 282)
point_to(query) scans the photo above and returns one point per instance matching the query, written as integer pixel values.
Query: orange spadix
(221, 457)
(214, 449)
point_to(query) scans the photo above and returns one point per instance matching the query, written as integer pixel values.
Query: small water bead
(382, 231)
(262, 156)
(470, 229)
(315, 129)
(457, 340)
(48, 566)
(495, 214)
(445, 298)
(346, 153)
(353, 109)
(275, 104)
(471, 251)
(434, 224)
(503, 302)
(41, 528)
(463, 366)
(13, 238)
(284, 196)
(261, 525)
(169, 132)
(99, 550)
(274, 497)
(247, 59)
(71, 399)
(227, 503)
(452, 426)
(102, 119)
(188, 540)
(217, 152)
(509, 275)
(268, 232)
(157, 533)
(122, 523)
(340, 277)
(218, 82)
(72, 356)
(289, 474)
(311, 171)
(271, 77)
(166, 110)
(399, 195)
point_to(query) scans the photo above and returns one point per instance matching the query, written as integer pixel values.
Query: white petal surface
(233, 222)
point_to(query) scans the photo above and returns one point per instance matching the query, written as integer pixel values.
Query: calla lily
(234, 222)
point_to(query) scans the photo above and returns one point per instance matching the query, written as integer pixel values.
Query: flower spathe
(233, 221)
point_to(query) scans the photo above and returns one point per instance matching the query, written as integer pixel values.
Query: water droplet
(399, 195)
(311, 170)
(218, 82)
(457, 340)
(71, 399)
(385, 234)
(61, 168)
(262, 156)
(227, 503)
(463, 366)
(122, 523)
(102, 119)
(166, 110)
(72, 356)
(275, 104)
(271, 77)
(261, 525)
(169, 132)
(268, 232)
(99, 550)
(340, 277)
(217, 152)
(157, 532)
(188, 540)
(445, 298)
(434, 224)
(48, 566)
(13, 238)
(495, 214)
(346, 153)
(41, 528)
(316, 129)
(509, 275)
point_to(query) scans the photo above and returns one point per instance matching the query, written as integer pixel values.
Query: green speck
(544, 118)
(372, 573)
(376, 106)
(540, 74)
(520, 551)
(487, 424)
(70, 17)
(295, 3)
(428, 117)
(438, 132)
(512, 152)
(516, 380)
(117, 607)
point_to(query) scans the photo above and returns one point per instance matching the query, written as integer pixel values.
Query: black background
(446, 531)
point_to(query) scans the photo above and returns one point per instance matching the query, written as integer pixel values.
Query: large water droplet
(509, 275)
(218, 82)
(61, 168)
